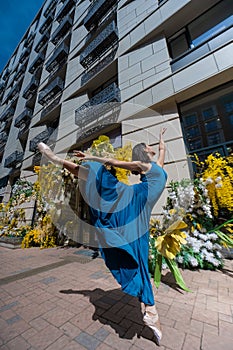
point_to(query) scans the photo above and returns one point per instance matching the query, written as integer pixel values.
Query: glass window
(190, 119)
(230, 118)
(212, 125)
(195, 144)
(214, 138)
(193, 132)
(209, 113)
(179, 45)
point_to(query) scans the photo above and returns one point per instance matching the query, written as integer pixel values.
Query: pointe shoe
(152, 321)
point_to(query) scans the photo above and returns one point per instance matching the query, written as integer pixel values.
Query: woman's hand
(162, 132)
(79, 154)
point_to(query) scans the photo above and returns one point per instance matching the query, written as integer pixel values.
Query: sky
(15, 18)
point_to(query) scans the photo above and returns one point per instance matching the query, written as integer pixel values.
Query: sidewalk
(62, 299)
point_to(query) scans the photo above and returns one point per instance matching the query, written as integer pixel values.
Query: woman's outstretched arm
(162, 148)
(132, 166)
(73, 168)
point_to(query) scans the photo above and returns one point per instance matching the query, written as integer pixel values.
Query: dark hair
(139, 153)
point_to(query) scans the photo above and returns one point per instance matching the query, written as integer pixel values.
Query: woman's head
(142, 152)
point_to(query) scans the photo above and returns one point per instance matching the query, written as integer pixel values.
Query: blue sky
(15, 17)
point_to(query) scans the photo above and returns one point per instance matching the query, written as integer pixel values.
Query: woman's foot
(151, 319)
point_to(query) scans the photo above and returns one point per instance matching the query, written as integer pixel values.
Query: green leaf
(224, 237)
(158, 269)
(176, 273)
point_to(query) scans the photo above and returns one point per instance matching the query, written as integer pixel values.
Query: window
(192, 132)
(214, 139)
(190, 119)
(195, 144)
(209, 112)
(211, 23)
(212, 125)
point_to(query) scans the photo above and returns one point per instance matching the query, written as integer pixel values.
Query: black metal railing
(106, 39)
(41, 137)
(41, 44)
(23, 131)
(24, 54)
(59, 54)
(50, 91)
(24, 117)
(13, 159)
(13, 92)
(51, 8)
(97, 105)
(3, 137)
(47, 24)
(31, 88)
(4, 181)
(50, 107)
(28, 42)
(37, 62)
(62, 29)
(66, 8)
(20, 72)
(6, 74)
(87, 75)
(7, 114)
(36, 159)
(97, 11)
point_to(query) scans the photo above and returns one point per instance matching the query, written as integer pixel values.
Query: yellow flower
(169, 244)
(37, 169)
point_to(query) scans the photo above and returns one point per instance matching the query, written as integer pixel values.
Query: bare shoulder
(144, 167)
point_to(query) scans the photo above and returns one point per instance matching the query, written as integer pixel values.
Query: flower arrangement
(197, 207)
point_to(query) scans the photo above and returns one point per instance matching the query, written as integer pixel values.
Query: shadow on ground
(118, 310)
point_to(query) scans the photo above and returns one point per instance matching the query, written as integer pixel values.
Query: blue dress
(121, 215)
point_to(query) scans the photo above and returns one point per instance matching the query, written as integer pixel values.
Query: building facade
(122, 68)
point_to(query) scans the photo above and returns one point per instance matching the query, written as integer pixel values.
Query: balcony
(2, 86)
(47, 24)
(24, 54)
(7, 114)
(6, 74)
(36, 159)
(4, 181)
(58, 57)
(97, 11)
(23, 132)
(89, 111)
(24, 117)
(31, 88)
(41, 137)
(20, 72)
(13, 159)
(42, 43)
(3, 140)
(106, 39)
(36, 63)
(50, 91)
(87, 75)
(51, 8)
(50, 108)
(62, 30)
(66, 8)
(29, 41)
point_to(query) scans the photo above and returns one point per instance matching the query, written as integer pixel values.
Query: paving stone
(87, 340)
(225, 329)
(174, 337)
(191, 343)
(18, 343)
(213, 342)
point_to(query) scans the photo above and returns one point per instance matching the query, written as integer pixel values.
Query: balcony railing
(46, 25)
(62, 30)
(59, 54)
(41, 137)
(20, 72)
(50, 91)
(23, 131)
(24, 117)
(14, 92)
(66, 8)
(6, 74)
(107, 38)
(36, 159)
(15, 158)
(4, 181)
(3, 137)
(2, 86)
(28, 42)
(50, 9)
(87, 75)
(24, 54)
(7, 114)
(50, 107)
(41, 44)
(31, 88)
(97, 105)
(37, 62)
(97, 10)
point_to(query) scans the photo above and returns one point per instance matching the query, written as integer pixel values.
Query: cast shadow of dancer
(127, 321)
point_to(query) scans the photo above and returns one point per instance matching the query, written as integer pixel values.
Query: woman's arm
(73, 168)
(162, 148)
(132, 166)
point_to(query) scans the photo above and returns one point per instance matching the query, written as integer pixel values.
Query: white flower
(193, 261)
(208, 181)
(218, 179)
(218, 185)
(180, 259)
(219, 255)
(208, 245)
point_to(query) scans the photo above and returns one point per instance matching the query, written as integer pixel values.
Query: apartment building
(122, 68)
